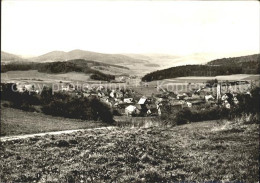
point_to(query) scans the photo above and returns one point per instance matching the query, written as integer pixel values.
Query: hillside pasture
(33, 76)
(203, 152)
(18, 122)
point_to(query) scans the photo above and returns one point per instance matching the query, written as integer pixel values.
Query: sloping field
(17, 122)
(253, 77)
(35, 76)
(200, 152)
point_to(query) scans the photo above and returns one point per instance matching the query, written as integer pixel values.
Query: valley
(157, 130)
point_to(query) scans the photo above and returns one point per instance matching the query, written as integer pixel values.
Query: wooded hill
(225, 66)
(78, 65)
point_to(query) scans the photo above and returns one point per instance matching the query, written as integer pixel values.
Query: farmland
(18, 122)
(204, 151)
(38, 77)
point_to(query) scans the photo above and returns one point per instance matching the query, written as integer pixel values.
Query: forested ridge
(237, 65)
(77, 65)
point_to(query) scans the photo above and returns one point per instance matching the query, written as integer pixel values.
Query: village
(128, 102)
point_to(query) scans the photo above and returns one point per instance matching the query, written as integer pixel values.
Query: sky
(31, 28)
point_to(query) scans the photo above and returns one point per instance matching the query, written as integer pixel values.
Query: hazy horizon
(33, 28)
(210, 55)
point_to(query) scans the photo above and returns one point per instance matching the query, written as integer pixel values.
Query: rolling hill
(87, 55)
(8, 57)
(236, 60)
(235, 65)
(78, 65)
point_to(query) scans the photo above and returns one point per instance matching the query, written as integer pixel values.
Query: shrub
(184, 116)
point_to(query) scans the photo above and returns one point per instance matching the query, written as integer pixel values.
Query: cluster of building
(130, 103)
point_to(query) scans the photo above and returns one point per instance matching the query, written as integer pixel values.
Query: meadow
(39, 77)
(203, 151)
(18, 122)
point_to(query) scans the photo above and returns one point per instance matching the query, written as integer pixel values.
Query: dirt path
(15, 137)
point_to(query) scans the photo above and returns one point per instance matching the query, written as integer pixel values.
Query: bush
(188, 115)
(184, 116)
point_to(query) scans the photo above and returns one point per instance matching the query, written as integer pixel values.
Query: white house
(209, 98)
(128, 100)
(130, 110)
(142, 100)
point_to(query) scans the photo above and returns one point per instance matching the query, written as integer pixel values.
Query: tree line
(57, 104)
(191, 70)
(225, 66)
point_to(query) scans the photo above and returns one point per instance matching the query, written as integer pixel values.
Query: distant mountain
(87, 55)
(161, 60)
(8, 57)
(168, 60)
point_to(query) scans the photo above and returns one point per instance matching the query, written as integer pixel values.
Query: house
(181, 96)
(131, 110)
(226, 104)
(29, 87)
(159, 110)
(20, 88)
(209, 98)
(189, 104)
(119, 100)
(128, 100)
(142, 101)
(152, 109)
(112, 94)
(229, 99)
(99, 88)
(119, 94)
(25, 87)
(86, 95)
(65, 87)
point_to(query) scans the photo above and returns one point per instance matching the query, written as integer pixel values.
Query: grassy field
(205, 151)
(17, 122)
(38, 77)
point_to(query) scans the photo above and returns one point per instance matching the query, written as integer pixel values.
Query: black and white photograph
(149, 91)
